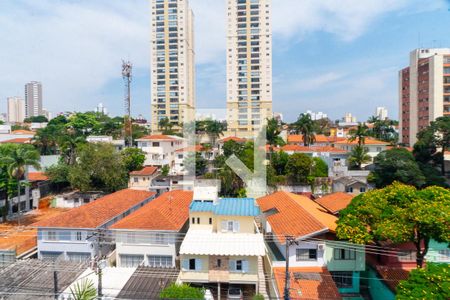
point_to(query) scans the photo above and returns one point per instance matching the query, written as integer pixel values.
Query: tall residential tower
(172, 61)
(249, 65)
(15, 109)
(424, 91)
(33, 99)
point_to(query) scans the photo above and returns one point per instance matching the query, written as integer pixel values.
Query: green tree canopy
(279, 160)
(133, 159)
(396, 164)
(360, 134)
(358, 156)
(36, 119)
(182, 291)
(195, 163)
(306, 127)
(431, 282)
(398, 213)
(98, 167)
(298, 168)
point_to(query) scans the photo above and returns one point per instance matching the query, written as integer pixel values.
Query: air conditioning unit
(321, 247)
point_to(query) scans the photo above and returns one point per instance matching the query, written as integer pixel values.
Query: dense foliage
(398, 213)
(431, 282)
(182, 291)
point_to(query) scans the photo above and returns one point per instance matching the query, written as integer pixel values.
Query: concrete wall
(66, 242)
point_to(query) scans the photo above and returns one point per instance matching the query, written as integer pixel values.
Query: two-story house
(79, 234)
(152, 235)
(330, 155)
(142, 179)
(373, 146)
(223, 246)
(160, 149)
(301, 231)
(181, 154)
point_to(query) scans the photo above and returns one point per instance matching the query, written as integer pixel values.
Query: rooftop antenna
(126, 75)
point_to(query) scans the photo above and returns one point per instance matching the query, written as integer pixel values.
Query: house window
(210, 221)
(230, 226)
(136, 179)
(349, 189)
(155, 144)
(160, 239)
(378, 149)
(193, 220)
(406, 256)
(239, 265)
(219, 263)
(344, 254)
(362, 189)
(198, 220)
(79, 236)
(51, 235)
(343, 279)
(130, 261)
(192, 264)
(306, 254)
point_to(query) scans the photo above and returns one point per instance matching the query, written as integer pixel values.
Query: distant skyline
(329, 56)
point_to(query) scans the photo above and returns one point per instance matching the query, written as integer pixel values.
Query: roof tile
(335, 202)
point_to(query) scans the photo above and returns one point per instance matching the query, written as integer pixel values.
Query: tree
(305, 126)
(195, 162)
(396, 164)
(68, 144)
(214, 129)
(83, 124)
(83, 290)
(442, 133)
(7, 183)
(383, 130)
(165, 170)
(431, 282)
(298, 168)
(273, 130)
(319, 168)
(358, 156)
(36, 119)
(232, 147)
(138, 131)
(279, 161)
(98, 167)
(133, 159)
(359, 134)
(58, 175)
(46, 139)
(182, 291)
(398, 213)
(165, 126)
(322, 126)
(16, 160)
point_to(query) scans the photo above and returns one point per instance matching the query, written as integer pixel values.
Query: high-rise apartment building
(33, 99)
(15, 109)
(381, 113)
(172, 61)
(424, 91)
(249, 65)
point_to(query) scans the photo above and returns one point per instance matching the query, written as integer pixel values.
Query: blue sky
(329, 55)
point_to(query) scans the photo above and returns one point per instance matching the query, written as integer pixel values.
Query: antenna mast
(126, 75)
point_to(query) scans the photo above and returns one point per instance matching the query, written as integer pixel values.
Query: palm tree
(360, 134)
(358, 156)
(273, 130)
(165, 126)
(84, 290)
(17, 160)
(305, 126)
(214, 129)
(68, 144)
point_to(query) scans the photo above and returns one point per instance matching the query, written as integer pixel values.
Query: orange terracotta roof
(368, 141)
(298, 138)
(158, 137)
(309, 149)
(196, 148)
(22, 131)
(335, 202)
(316, 283)
(17, 141)
(37, 176)
(297, 215)
(170, 211)
(146, 171)
(98, 212)
(232, 138)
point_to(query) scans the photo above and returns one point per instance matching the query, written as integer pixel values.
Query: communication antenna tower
(126, 75)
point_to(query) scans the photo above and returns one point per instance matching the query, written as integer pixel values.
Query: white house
(373, 146)
(74, 235)
(181, 154)
(142, 179)
(152, 235)
(118, 144)
(160, 149)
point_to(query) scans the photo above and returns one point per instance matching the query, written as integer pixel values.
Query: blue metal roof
(228, 207)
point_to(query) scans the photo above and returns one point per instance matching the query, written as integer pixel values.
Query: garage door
(160, 261)
(79, 256)
(48, 255)
(130, 261)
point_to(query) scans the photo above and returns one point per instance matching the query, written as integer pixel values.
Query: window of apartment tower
(210, 221)
(219, 263)
(198, 220)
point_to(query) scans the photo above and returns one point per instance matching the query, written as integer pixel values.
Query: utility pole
(287, 280)
(55, 284)
(99, 264)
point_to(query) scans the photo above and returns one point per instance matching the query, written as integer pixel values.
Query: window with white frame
(192, 264)
(230, 226)
(306, 254)
(239, 265)
(79, 236)
(343, 279)
(406, 255)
